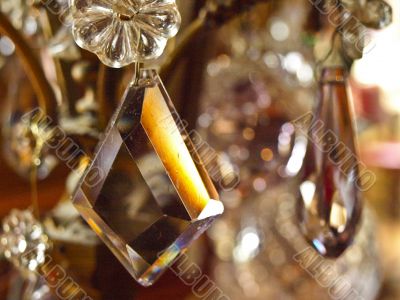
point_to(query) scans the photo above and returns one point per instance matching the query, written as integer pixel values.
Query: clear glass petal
(154, 2)
(150, 45)
(162, 21)
(93, 24)
(119, 50)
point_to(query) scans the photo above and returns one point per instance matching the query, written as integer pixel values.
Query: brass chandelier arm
(192, 31)
(30, 63)
(211, 17)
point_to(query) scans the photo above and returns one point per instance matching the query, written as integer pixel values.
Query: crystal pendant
(329, 205)
(146, 193)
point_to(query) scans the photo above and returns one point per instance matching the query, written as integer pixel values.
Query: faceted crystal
(147, 194)
(329, 204)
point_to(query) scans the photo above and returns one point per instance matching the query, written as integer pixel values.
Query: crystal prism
(329, 205)
(146, 193)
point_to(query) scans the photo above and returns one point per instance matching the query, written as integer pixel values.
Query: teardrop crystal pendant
(329, 205)
(146, 193)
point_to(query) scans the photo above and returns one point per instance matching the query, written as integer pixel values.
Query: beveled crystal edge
(213, 208)
(199, 163)
(117, 246)
(113, 120)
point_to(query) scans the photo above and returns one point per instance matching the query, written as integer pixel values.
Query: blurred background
(239, 84)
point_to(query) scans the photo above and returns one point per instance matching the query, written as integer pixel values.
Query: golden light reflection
(94, 226)
(170, 146)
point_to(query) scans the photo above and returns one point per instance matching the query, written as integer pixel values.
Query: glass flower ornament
(358, 15)
(121, 32)
(23, 241)
(375, 14)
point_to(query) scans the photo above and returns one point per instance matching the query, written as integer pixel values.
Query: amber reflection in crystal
(330, 202)
(156, 196)
(159, 124)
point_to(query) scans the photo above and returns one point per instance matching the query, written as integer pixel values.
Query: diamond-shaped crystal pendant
(330, 201)
(146, 193)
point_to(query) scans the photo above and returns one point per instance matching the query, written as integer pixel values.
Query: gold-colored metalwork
(192, 31)
(104, 103)
(211, 17)
(32, 67)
